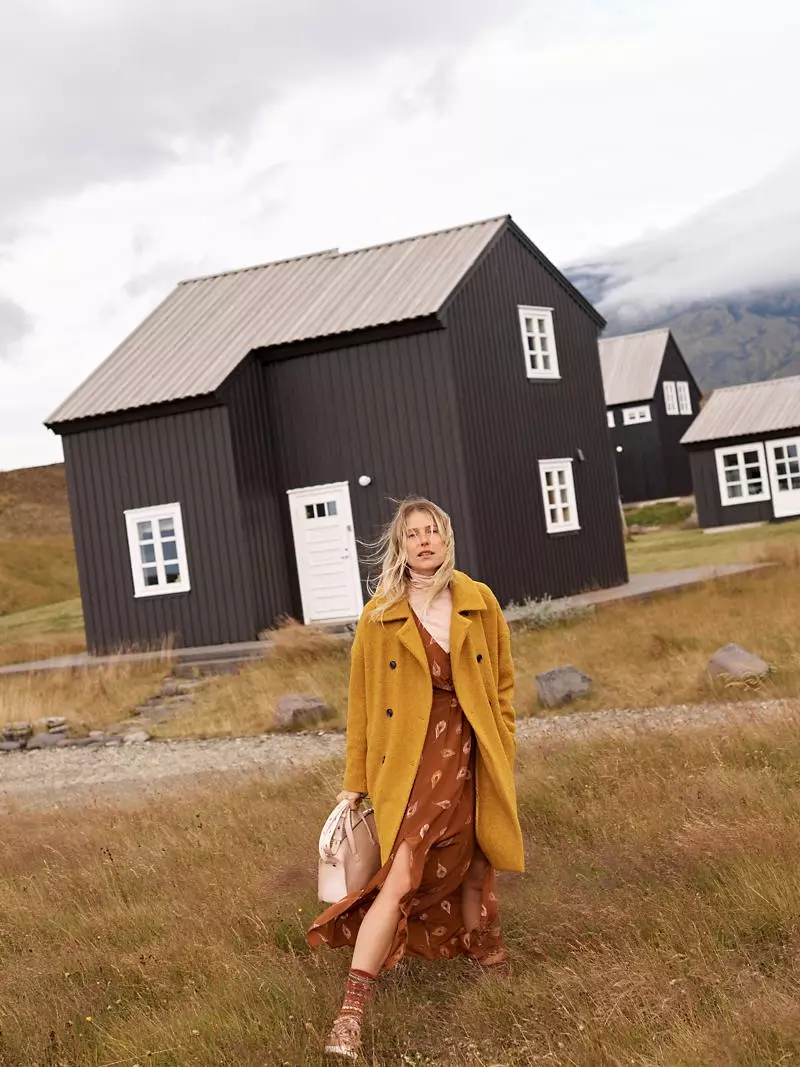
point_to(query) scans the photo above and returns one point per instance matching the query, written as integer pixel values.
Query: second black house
(226, 462)
(651, 400)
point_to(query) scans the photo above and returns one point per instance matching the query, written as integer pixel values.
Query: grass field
(657, 923)
(672, 550)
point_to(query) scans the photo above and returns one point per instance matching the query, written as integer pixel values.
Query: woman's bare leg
(472, 892)
(380, 923)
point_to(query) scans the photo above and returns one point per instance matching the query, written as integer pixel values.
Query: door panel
(325, 546)
(783, 459)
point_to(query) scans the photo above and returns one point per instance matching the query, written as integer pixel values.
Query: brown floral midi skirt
(439, 826)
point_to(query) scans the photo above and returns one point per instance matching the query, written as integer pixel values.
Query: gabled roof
(197, 337)
(190, 344)
(744, 410)
(631, 365)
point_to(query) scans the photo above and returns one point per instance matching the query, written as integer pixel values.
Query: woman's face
(424, 544)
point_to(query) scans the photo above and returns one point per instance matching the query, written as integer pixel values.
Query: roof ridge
(424, 236)
(636, 333)
(335, 253)
(753, 385)
(330, 253)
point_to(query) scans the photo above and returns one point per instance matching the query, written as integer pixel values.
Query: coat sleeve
(355, 772)
(505, 676)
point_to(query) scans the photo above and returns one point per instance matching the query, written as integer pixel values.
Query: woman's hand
(353, 799)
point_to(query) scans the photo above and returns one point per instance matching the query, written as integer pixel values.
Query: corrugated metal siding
(710, 511)
(263, 498)
(748, 410)
(191, 343)
(384, 409)
(508, 423)
(675, 458)
(640, 464)
(630, 365)
(185, 457)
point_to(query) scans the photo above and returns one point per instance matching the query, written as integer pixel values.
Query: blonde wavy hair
(391, 553)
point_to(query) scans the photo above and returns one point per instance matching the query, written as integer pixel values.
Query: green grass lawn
(38, 633)
(670, 550)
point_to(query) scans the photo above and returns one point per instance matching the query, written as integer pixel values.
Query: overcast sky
(150, 141)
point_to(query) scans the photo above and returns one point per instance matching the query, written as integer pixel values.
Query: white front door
(325, 545)
(783, 458)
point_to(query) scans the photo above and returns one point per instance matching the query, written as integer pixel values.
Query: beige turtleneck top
(434, 614)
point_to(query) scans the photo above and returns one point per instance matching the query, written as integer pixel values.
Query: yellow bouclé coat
(390, 703)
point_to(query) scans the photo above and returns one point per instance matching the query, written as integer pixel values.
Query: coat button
(389, 713)
(392, 665)
(480, 658)
(383, 759)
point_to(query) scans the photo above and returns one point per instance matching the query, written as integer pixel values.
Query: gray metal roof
(190, 344)
(631, 365)
(744, 410)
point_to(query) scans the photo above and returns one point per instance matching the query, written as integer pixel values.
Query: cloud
(15, 323)
(104, 92)
(744, 243)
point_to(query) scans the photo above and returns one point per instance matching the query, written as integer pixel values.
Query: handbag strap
(341, 816)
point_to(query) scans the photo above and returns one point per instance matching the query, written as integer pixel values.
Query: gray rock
(733, 661)
(17, 731)
(297, 710)
(63, 729)
(135, 737)
(561, 686)
(11, 746)
(45, 740)
(96, 735)
(55, 722)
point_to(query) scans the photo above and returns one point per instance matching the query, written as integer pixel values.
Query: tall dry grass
(641, 654)
(657, 923)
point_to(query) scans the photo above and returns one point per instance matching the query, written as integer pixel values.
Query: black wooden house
(226, 460)
(744, 449)
(651, 400)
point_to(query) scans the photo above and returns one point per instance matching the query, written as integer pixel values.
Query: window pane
(792, 452)
(173, 573)
(780, 469)
(734, 490)
(147, 553)
(543, 344)
(170, 549)
(754, 488)
(732, 476)
(145, 530)
(309, 511)
(332, 510)
(751, 458)
(166, 527)
(731, 460)
(320, 511)
(796, 481)
(150, 576)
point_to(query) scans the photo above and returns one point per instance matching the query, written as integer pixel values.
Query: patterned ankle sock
(358, 993)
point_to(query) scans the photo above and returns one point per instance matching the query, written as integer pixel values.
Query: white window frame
(153, 514)
(611, 420)
(671, 398)
(553, 466)
(633, 416)
(532, 350)
(684, 399)
(739, 451)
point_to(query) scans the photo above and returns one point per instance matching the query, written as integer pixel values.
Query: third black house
(651, 400)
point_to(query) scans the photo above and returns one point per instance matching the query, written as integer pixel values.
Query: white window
(157, 550)
(539, 342)
(684, 398)
(630, 416)
(670, 398)
(611, 423)
(558, 492)
(742, 474)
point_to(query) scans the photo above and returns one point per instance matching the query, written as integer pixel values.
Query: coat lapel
(408, 633)
(466, 598)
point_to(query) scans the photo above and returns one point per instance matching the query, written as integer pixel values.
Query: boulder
(45, 740)
(295, 711)
(11, 746)
(96, 736)
(561, 686)
(135, 737)
(56, 722)
(733, 661)
(17, 731)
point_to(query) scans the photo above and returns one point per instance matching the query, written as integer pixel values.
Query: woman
(430, 739)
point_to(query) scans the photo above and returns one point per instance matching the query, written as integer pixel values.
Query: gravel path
(58, 778)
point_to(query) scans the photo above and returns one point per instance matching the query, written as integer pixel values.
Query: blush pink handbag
(349, 853)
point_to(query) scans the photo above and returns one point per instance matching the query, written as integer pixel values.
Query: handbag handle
(342, 811)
